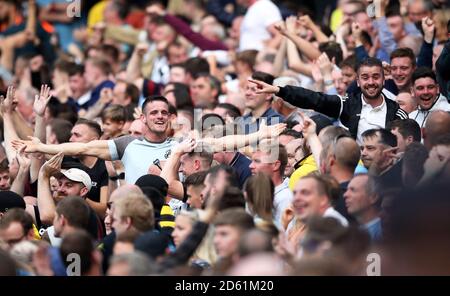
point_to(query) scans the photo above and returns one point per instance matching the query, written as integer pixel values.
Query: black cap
(9, 200)
(153, 181)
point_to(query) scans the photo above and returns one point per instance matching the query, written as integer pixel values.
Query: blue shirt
(241, 164)
(374, 229)
(251, 124)
(95, 94)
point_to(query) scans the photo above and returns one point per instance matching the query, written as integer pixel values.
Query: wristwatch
(120, 176)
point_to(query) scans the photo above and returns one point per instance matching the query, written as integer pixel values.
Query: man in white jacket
(426, 92)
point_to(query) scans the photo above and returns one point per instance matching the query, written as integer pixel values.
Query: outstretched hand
(271, 131)
(8, 104)
(31, 146)
(41, 100)
(309, 126)
(53, 165)
(264, 88)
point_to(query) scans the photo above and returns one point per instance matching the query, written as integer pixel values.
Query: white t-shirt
(282, 200)
(258, 18)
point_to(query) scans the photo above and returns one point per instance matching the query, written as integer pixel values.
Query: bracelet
(121, 176)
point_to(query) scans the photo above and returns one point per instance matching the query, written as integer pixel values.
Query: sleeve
(117, 146)
(330, 105)
(386, 38)
(196, 38)
(443, 62)
(361, 53)
(425, 57)
(217, 8)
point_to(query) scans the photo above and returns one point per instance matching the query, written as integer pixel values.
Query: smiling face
(308, 200)
(156, 117)
(402, 69)
(371, 80)
(426, 91)
(254, 101)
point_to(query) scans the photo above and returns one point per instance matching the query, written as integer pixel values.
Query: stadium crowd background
(222, 137)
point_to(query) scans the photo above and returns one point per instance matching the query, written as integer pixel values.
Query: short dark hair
(231, 109)
(196, 179)
(214, 83)
(265, 77)
(404, 52)
(231, 174)
(94, 126)
(133, 92)
(423, 72)
(196, 65)
(61, 128)
(182, 95)
(4, 165)
(351, 62)
(293, 133)
(75, 69)
(152, 99)
(232, 198)
(333, 50)
(407, 127)
(370, 62)
(81, 243)
(75, 210)
(17, 215)
(386, 137)
(111, 51)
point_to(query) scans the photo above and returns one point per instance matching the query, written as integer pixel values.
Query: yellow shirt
(336, 19)
(96, 13)
(307, 165)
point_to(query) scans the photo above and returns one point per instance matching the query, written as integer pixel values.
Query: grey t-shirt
(138, 154)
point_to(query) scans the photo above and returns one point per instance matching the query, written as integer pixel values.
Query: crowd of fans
(222, 137)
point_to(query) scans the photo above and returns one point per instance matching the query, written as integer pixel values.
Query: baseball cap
(9, 200)
(153, 181)
(78, 175)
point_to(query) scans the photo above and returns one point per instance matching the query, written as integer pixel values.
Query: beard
(373, 96)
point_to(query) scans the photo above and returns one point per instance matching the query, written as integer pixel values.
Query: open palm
(41, 100)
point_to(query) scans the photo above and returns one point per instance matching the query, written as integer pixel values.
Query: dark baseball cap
(9, 200)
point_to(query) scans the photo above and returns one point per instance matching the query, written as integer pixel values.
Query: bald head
(347, 153)
(124, 191)
(438, 123)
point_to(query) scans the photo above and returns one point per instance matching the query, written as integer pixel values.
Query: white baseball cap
(79, 176)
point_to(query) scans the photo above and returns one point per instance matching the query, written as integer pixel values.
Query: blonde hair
(139, 209)
(205, 250)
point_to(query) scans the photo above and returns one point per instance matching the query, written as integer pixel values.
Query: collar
(84, 98)
(377, 108)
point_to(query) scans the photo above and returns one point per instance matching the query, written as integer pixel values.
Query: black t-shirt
(99, 177)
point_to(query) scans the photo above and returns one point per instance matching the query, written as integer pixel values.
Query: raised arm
(330, 105)
(22, 178)
(233, 142)
(306, 47)
(45, 202)
(170, 169)
(8, 105)
(97, 148)
(309, 132)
